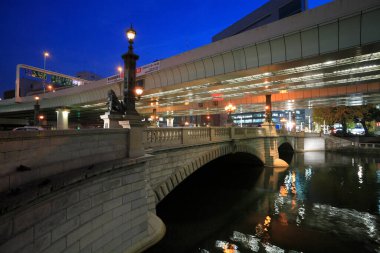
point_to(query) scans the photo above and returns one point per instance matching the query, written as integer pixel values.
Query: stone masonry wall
(45, 153)
(106, 213)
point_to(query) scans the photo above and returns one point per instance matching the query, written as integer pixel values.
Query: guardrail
(167, 137)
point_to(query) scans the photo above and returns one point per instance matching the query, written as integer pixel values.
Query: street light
(50, 88)
(130, 59)
(120, 69)
(138, 92)
(229, 109)
(46, 54)
(40, 119)
(131, 35)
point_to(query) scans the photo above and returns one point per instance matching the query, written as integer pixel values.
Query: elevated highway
(325, 56)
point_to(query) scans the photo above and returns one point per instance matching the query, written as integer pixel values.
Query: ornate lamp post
(130, 75)
(230, 108)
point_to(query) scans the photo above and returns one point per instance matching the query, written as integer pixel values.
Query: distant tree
(343, 115)
(324, 115)
(365, 114)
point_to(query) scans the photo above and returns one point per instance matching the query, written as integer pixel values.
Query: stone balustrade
(369, 145)
(167, 137)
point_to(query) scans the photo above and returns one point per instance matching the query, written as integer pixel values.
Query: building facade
(272, 11)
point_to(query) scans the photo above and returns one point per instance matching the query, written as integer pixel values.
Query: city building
(272, 11)
(87, 75)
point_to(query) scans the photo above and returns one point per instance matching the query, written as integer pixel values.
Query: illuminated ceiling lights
(334, 74)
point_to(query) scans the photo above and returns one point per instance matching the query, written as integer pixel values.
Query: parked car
(357, 131)
(28, 128)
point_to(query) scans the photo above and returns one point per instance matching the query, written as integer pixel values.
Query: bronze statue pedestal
(112, 120)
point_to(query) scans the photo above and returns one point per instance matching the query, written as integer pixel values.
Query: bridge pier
(272, 158)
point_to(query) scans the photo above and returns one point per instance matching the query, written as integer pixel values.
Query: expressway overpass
(325, 56)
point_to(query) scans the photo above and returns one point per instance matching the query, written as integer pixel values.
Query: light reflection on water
(316, 205)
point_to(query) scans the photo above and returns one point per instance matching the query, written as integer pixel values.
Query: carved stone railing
(369, 145)
(168, 137)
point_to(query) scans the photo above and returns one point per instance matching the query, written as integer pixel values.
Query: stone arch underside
(285, 140)
(199, 161)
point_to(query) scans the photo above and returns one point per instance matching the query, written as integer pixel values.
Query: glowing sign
(32, 80)
(35, 74)
(149, 68)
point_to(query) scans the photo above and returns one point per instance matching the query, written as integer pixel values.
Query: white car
(28, 128)
(357, 131)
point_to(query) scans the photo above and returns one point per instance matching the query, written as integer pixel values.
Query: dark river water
(324, 202)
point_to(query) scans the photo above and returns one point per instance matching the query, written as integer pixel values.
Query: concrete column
(62, 118)
(36, 113)
(268, 108)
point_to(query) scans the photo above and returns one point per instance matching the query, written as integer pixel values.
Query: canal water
(324, 202)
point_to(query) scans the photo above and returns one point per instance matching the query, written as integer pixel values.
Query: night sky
(89, 35)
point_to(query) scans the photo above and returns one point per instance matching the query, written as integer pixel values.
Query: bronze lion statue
(113, 103)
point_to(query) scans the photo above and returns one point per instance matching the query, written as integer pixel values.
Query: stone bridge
(80, 191)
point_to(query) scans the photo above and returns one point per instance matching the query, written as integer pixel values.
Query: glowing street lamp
(46, 54)
(50, 88)
(131, 35)
(230, 108)
(130, 75)
(138, 92)
(120, 69)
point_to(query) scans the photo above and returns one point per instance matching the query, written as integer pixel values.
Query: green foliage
(347, 115)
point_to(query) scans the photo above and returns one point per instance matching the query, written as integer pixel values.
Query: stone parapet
(30, 156)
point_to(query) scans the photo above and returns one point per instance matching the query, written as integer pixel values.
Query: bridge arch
(199, 161)
(284, 140)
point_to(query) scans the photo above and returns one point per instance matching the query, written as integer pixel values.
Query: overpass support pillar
(62, 118)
